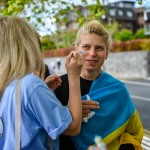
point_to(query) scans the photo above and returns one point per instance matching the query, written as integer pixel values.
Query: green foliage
(124, 35)
(145, 45)
(94, 11)
(140, 2)
(12, 7)
(66, 38)
(37, 11)
(113, 28)
(139, 34)
(58, 40)
(48, 43)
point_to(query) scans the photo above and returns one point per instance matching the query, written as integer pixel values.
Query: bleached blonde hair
(20, 53)
(97, 28)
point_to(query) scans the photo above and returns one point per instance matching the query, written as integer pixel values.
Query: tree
(38, 11)
(48, 43)
(113, 28)
(59, 40)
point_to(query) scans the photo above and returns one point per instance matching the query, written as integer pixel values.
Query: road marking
(146, 140)
(140, 98)
(146, 143)
(136, 83)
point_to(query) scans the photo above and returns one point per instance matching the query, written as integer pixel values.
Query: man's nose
(92, 52)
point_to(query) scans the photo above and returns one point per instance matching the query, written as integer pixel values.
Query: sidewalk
(146, 140)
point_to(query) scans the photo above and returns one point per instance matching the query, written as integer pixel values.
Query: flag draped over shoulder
(117, 121)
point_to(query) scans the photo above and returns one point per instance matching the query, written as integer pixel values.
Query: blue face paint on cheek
(81, 52)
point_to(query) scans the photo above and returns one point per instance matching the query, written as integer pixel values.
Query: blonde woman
(117, 120)
(42, 115)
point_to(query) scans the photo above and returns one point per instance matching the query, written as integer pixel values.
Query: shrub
(133, 45)
(119, 46)
(124, 35)
(61, 52)
(140, 34)
(145, 44)
(48, 42)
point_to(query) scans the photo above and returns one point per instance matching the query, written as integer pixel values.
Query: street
(140, 94)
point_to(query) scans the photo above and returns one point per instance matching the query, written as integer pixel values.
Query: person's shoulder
(111, 78)
(64, 77)
(32, 81)
(32, 77)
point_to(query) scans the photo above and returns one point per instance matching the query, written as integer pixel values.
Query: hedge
(132, 45)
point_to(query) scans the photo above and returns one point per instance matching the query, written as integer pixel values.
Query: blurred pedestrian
(58, 63)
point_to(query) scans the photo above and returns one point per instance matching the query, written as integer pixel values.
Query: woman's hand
(53, 81)
(74, 64)
(87, 105)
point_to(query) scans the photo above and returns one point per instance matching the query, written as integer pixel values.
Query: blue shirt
(41, 115)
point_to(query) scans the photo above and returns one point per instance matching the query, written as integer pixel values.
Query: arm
(87, 105)
(53, 81)
(74, 66)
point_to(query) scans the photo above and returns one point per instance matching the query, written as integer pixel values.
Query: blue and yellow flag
(117, 121)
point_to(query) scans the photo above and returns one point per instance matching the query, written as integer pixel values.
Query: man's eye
(100, 48)
(86, 47)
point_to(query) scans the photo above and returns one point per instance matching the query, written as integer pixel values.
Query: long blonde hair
(20, 53)
(97, 28)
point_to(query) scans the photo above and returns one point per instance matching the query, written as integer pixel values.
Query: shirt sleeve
(49, 112)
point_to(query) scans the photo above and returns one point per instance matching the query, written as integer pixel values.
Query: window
(129, 14)
(120, 13)
(147, 29)
(112, 12)
(120, 4)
